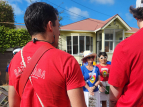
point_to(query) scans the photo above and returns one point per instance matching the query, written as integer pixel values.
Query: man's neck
(140, 23)
(41, 37)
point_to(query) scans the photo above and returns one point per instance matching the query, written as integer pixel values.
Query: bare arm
(76, 97)
(115, 93)
(86, 86)
(13, 98)
(98, 82)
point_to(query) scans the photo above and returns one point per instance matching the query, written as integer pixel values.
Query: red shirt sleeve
(119, 68)
(73, 74)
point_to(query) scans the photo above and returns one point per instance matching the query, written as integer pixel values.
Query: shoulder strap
(31, 65)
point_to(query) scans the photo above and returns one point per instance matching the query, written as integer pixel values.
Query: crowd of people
(57, 80)
(96, 77)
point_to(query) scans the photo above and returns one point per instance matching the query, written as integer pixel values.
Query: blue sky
(72, 11)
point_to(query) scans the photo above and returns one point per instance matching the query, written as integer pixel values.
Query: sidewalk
(6, 88)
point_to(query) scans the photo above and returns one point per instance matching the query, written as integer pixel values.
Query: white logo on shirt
(37, 72)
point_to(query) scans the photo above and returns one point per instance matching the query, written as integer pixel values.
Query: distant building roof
(90, 25)
(132, 30)
(20, 26)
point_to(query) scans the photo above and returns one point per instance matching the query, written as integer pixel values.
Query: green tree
(6, 14)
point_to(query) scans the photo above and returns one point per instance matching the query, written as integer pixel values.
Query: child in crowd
(104, 69)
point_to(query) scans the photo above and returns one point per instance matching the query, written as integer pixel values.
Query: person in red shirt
(126, 80)
(56, 80)
(104, 75)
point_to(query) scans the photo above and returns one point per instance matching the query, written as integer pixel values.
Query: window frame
(79, 53)
(114, 40)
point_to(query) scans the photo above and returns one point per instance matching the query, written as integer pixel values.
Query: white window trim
(79, 54)
(113, 39)
(72, 44)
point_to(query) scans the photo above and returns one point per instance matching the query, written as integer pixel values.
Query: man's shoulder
(59, 55)
(131, 43)
(58, 52)
(17, 57)
(133, 38)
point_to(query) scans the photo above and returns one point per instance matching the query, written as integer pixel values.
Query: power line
(20, 23)
(60, 4)
(74, 13)
(11, 23)
(90, 8)
(60, 7)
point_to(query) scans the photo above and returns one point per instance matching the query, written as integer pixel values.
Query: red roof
(89, 25)
(132, 30)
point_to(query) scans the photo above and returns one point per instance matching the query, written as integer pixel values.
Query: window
(75, 44)
(78, 44)
(91, 44)
(112, 38)
(69, 45)
(108, 42)
(108, 46)
(99, 42)
(81, 41)
(87, 43)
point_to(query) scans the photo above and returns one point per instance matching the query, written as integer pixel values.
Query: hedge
(10, 38)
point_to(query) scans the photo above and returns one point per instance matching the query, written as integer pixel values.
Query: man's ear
(49, 26)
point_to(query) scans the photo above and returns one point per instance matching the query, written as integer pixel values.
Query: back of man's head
(138, 11)
(38, 15)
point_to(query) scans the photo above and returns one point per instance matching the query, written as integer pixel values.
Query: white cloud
(15, 0)
(75, 13)
(10, 1)
(103, 1)
(17, 10)
(128, 16)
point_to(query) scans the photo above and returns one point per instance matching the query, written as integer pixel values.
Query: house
(94, 35)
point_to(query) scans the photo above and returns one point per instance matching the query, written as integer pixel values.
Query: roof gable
(117, 17)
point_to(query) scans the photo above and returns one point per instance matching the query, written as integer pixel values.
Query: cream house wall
(128, 34)
(63, 46)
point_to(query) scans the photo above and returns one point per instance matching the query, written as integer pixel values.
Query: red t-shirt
(103, 72)
(55, 73)
(127, 70)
